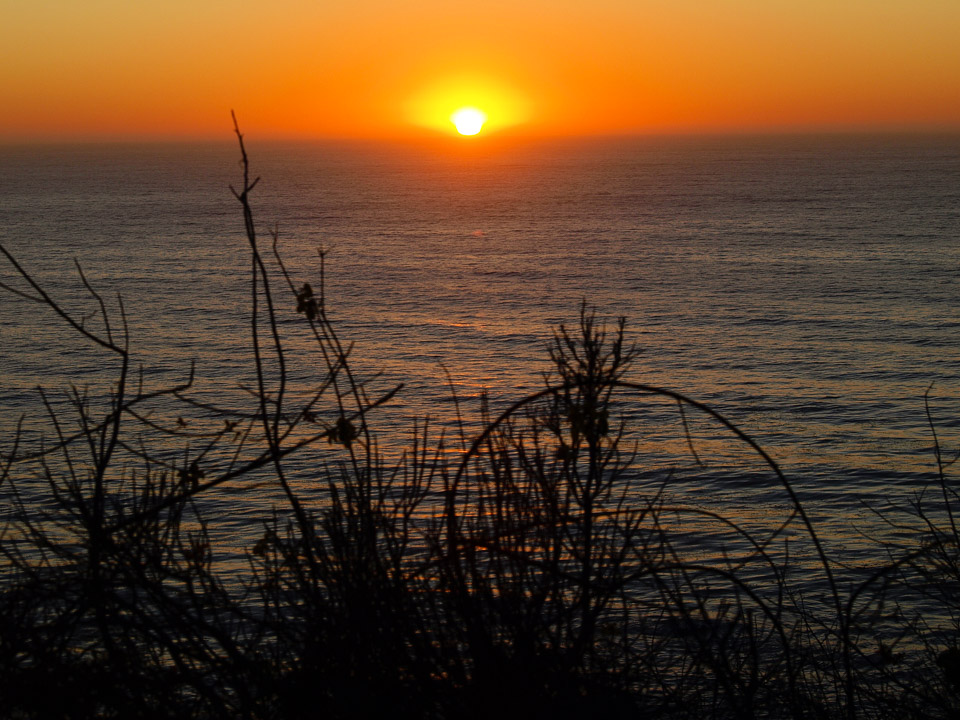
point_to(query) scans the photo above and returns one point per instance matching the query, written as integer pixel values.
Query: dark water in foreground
(805, 287)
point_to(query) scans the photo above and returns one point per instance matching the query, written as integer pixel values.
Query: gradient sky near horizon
(382, 68)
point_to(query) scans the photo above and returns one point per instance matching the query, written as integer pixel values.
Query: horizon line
(493, 135)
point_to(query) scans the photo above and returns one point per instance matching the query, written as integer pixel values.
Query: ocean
(806, 287)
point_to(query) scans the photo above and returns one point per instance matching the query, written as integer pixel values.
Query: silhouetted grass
(539, 569)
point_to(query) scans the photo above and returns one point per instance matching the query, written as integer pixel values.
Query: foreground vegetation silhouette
(538, 569)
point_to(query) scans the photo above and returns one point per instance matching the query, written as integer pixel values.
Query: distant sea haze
(805, 287)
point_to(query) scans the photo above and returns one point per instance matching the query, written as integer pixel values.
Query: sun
(467, 104)
(468, 120)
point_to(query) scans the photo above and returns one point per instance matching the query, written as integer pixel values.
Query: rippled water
(805, 287)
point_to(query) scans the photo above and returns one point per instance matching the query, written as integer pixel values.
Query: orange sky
(380, 68)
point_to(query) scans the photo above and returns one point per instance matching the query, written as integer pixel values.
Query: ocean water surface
(805, 287)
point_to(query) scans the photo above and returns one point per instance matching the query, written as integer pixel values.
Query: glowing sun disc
(468, 120)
